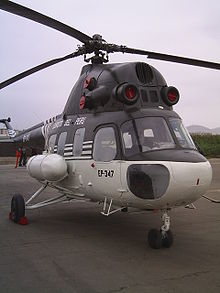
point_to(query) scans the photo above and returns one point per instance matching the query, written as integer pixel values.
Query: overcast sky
(184, 28)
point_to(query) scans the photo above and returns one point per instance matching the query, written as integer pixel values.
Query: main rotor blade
(23, 11)
(171, 58)
(37, 68)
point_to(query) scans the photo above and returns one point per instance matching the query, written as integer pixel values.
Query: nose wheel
(163, 237)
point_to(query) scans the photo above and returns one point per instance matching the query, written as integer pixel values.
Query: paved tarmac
(73, 248)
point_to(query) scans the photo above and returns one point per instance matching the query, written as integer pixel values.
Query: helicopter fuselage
(106, 157)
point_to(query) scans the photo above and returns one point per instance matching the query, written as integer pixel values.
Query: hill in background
(202, 129)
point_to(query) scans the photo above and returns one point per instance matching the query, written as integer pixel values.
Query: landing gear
(18, 205)
(155, 238)
(167, 239)
(162, 237)
(17, 213)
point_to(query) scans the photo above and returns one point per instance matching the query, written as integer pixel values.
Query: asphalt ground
(73, 248)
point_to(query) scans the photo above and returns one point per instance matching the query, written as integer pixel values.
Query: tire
(17, 208)
(155, 239)
(167, 240)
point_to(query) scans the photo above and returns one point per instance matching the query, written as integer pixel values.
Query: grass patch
(208, 143)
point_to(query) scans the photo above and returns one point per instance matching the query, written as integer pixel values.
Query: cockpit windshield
(152, 133)
(146, 134)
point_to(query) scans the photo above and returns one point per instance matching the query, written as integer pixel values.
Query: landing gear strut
(162, 237)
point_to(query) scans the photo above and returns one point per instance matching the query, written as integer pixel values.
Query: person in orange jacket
(18, 155)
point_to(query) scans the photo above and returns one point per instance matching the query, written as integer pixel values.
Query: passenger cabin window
(51, 143)
(61, 143)
(105, 145)
(78, 142)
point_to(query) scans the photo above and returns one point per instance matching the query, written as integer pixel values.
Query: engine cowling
(50, 167)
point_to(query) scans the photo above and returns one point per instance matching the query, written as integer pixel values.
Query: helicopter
(118, 141)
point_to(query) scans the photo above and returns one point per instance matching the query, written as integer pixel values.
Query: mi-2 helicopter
(118, 141)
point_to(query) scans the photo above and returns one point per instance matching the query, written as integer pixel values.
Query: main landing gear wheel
(17, 214)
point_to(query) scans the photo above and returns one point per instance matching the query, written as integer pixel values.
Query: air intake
(144, 73)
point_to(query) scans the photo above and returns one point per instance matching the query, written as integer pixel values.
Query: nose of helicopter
(170, 183)
(189, 181)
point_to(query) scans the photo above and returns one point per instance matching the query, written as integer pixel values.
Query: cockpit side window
(105, 147)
